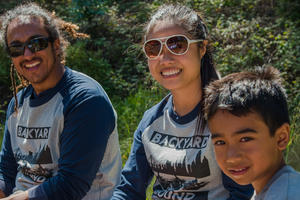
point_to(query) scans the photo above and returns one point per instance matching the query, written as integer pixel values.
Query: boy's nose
(233, 154)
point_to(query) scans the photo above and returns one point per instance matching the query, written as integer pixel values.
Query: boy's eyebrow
(215, 135)
(246, 130)
(242, 131)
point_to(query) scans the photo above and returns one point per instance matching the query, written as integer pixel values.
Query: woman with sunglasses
(172, 141)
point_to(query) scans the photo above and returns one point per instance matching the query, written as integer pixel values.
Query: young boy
(248, 117)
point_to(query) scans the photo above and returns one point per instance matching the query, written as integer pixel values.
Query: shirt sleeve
(8, 165)
(236, 191)
(87, 127)
(136, 174)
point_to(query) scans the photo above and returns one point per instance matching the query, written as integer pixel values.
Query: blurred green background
(244, 33)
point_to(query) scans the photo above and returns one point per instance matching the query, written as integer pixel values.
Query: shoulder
(288, 176)
(21, 95)
(286, 185)
(77, 82)
(80, 88)
(293, 181)
(155, 112)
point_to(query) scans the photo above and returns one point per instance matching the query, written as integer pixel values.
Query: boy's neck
(260, 185)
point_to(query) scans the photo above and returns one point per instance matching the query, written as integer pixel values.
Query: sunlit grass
(130, 112)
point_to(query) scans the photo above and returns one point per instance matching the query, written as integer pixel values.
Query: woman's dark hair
(54, 26)
(194, 24)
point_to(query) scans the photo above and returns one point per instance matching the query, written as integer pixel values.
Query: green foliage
(290, 9)
(130, 111)
(116, 81)
(4, 68)
(4, 5)
(87, 10)
(115, 39)
(87, 14)
(92, 64)
(1, 132)
(292, 154)
(150, 189)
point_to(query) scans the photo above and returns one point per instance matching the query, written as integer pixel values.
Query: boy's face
(244, 148)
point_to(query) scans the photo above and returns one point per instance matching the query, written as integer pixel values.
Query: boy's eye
(246, 139)
(219, 142)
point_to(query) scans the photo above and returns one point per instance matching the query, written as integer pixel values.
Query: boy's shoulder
(284, 185)
(292, 178)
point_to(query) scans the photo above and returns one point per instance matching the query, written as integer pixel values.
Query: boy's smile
(245, 149)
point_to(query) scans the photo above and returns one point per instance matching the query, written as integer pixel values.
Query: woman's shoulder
(156, 111)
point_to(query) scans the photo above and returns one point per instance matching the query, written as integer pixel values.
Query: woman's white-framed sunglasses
(176, 44)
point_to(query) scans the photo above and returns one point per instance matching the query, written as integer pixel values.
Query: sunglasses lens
(15, 51)
(152, 48)
(37, 44)
(177, 44)
(34, 45)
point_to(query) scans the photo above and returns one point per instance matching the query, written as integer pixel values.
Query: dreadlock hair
(193, 23)
(258, 91)
(54, 26)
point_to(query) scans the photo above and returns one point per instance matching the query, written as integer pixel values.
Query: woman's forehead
(164, 29)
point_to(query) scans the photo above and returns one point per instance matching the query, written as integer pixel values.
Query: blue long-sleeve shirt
(63, 143)
(166, 146)
(284, 185)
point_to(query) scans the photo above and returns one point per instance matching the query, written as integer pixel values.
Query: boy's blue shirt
(165, 145)
(63, 143)
(284, 185)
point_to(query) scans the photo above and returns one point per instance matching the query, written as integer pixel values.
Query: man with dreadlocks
(60, 139)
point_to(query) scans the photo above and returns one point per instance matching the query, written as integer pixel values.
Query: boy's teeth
(239, 170)
(170, 72)
(32, 65)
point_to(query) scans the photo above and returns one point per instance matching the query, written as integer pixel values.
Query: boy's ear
(282, 135)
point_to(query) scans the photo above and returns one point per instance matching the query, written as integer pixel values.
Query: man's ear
(282, 135)
(56, 46)
(202, 49)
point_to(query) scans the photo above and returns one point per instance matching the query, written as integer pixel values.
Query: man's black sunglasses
(33, 44)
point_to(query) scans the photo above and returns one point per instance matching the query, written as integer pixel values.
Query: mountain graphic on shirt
(42, 156)
(198, 169)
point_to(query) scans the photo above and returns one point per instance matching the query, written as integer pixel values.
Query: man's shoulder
(21, 95)
(81, 80)
(80, 85)
(79, 89)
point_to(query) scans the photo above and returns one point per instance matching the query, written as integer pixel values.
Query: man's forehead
(25, 20)
(20, 29)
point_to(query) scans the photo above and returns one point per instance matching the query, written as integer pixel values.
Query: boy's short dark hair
(259, 91)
